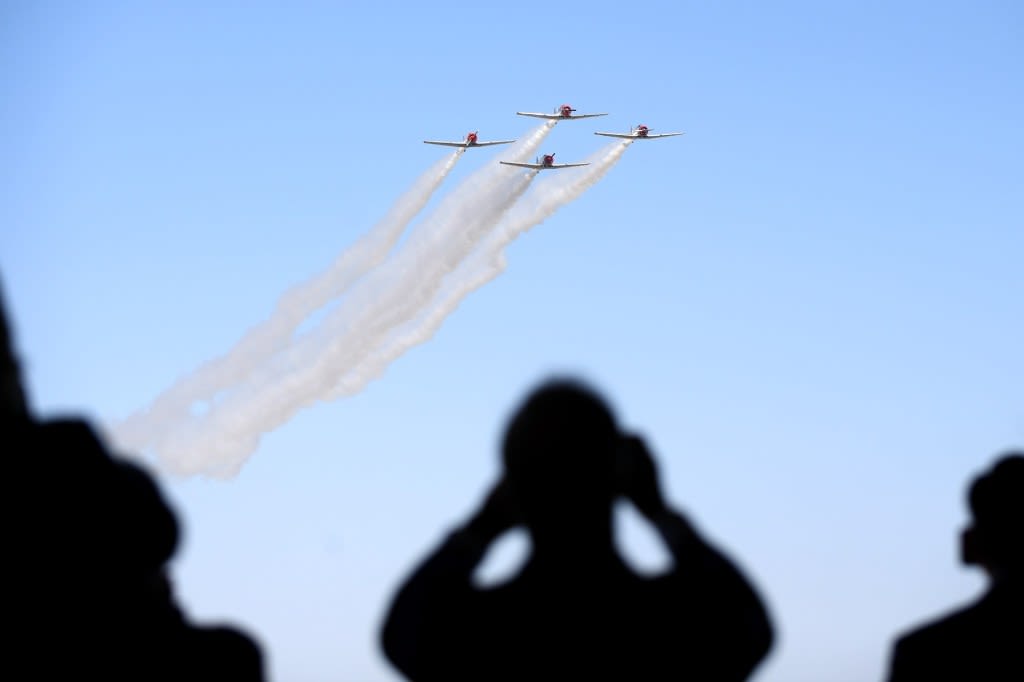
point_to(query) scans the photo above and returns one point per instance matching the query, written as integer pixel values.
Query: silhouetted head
(995, 538)
(559, 456)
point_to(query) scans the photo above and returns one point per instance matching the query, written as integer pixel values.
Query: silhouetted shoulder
(980, 642)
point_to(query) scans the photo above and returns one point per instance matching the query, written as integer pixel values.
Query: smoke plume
(270, 374)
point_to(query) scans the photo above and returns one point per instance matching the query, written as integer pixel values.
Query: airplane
(639, 132)
(470, 141)
(546, 163)
(560, 113)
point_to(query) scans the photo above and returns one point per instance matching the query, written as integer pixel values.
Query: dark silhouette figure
(984, 641)
(89, 537)
(576, 611)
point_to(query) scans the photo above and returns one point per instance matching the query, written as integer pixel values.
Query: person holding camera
(575, 610)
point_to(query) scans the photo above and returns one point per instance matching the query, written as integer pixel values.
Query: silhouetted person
(576, 611)
(88, 540)
(985, 641)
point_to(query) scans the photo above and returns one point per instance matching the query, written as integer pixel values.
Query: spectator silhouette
(89, 596)
(575, 611)
(983, 641)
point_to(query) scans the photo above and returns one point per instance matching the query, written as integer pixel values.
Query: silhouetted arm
(424, 625)
(431, 619)
(736, 622)
(714, 609)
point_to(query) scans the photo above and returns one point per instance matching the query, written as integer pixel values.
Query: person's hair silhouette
(576, 610)
(985, 640)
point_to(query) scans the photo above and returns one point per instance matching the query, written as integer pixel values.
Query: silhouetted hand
(638, 478)
(499, 513)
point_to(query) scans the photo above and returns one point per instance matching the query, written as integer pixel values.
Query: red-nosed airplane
(546, 162)
(641, 132)
(470, 141)
(561, 113)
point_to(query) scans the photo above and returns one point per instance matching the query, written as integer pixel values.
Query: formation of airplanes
(547, 161)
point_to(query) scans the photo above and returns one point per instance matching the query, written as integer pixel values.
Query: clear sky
(812, 304)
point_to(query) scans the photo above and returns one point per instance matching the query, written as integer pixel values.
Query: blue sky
(812, 304)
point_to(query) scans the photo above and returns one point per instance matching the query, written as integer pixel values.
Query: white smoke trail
(484, 264)
(219, 442)
(293, 308)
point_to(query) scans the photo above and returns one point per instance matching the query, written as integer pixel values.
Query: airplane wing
(624, 136)
(489, 143)
(651, 136)
(445, 144)
(534, 166)
(567, 165)
(587, 115)
(535, 115)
